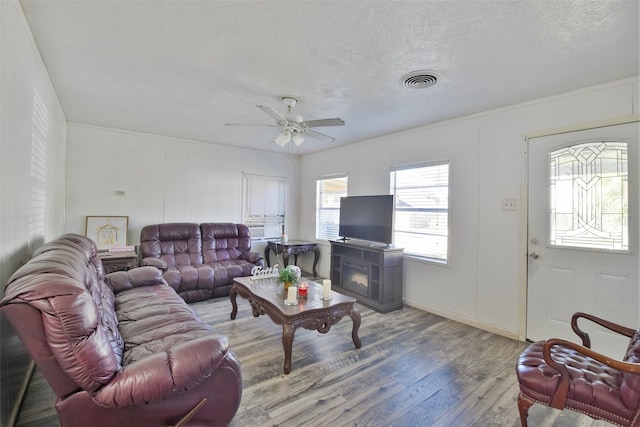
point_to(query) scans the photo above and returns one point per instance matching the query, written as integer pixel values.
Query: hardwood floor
(414, 369)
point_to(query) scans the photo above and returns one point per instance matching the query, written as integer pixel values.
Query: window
(589, 200)
(421, 224)
(328, 194)
(263, 205)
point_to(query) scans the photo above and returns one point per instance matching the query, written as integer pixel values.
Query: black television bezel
(385, 236)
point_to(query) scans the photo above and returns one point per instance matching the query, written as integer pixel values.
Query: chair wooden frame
(560, 395)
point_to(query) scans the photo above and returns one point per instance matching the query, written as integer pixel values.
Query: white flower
(296, 269)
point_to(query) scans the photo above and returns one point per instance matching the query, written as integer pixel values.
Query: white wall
(31, 204)
(29, 113)
(164, 179)
(483, 283)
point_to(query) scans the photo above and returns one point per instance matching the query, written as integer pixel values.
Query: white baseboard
(465, 320)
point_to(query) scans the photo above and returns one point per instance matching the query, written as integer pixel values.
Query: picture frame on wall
(107, 231)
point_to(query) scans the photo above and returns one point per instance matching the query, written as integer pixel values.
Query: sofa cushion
(149, 328)
(192, 282)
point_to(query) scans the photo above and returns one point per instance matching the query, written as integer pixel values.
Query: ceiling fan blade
(250, 124)
(324, 122)
(319, 136)
(280, 119)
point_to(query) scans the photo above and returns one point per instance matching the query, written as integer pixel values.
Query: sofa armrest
(136, 277)
(165, 374)
(252, 257)
(154, 262)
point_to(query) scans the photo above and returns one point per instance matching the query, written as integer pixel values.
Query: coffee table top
(271, 291)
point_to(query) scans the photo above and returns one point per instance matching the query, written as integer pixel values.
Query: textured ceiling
(184, 68)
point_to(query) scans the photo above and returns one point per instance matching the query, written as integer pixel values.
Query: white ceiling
(184, 68)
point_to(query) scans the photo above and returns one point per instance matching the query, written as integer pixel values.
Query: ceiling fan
(293, 127)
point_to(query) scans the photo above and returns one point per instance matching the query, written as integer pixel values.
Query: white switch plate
(509, 204)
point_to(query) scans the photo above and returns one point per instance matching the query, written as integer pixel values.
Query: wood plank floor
(414, 369)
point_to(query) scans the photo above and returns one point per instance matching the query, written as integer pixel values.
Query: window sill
(426, 260)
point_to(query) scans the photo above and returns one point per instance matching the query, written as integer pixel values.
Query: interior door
(583, 233)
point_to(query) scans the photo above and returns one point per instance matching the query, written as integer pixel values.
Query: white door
(583, 233)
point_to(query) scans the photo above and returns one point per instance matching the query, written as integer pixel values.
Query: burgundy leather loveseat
(120, 350)
(199, 261)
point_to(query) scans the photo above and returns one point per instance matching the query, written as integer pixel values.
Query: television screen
(367, 218)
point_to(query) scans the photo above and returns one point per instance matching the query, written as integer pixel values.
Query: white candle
(292, 295)
(326, 288)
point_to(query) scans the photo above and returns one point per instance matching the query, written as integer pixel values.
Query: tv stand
(371, 274)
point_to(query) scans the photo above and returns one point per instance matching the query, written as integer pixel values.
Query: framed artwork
(107, 231)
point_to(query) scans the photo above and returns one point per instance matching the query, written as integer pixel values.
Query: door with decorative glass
(583, 233)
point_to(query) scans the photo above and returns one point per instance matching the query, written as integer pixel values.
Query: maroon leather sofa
(199, 261)
(120, 350)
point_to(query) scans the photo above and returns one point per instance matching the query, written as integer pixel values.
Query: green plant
(287, 275)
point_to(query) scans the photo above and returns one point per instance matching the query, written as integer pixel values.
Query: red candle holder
(303, 289)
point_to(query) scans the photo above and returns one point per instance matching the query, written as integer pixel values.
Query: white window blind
(422, 209)
(38, 203)
(328, 194)
(263, 209)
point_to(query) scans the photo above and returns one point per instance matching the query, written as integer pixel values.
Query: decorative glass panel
(589, 201)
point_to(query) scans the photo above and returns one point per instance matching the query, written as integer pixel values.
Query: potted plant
(288, 276)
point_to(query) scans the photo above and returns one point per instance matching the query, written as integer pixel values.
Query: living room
(97, 169)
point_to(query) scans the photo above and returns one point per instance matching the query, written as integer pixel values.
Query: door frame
(524, 206)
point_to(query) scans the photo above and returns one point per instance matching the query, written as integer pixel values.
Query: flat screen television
(367, 218)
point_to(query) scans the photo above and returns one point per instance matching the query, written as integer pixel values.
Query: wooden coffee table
(266, 296)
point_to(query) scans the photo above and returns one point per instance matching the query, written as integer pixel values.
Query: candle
(303, 288)
(292, 296)
(326, 289)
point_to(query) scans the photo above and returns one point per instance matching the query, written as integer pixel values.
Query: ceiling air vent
(419, 79)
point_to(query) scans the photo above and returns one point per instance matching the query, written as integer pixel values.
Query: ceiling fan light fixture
(288, 101)
(283, 137)
(298, 139)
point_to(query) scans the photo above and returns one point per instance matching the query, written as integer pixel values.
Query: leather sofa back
(71, 309)
(224, 241)
(177, 244)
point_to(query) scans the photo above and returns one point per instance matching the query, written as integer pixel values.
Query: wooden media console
(371, 274)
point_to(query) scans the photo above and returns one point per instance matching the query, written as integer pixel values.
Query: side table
(118, 261)
(295, 247)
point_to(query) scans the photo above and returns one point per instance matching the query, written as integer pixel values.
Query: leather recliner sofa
(199, 261)
(122, 349)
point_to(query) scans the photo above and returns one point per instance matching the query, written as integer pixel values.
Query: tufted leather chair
(563, 374)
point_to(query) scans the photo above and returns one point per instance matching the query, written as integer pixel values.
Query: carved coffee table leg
(287, 343)
(316, 255)
(232, 296)
(355, 316)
